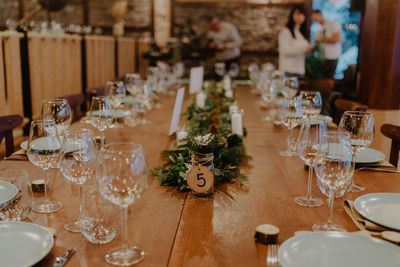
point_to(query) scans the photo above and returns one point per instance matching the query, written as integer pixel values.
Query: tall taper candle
(236, 119)
(201, 99)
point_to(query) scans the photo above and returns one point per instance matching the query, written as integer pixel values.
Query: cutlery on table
(60, 261)
(272, 256)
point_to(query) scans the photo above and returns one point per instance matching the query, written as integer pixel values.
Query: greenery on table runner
(209, 131)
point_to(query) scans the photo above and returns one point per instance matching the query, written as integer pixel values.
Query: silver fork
(272, 257)
(62, 260)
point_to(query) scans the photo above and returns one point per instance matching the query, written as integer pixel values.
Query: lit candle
(229, 93)
(180, 136)
(237, 127)
(201, 99)
(233, 108)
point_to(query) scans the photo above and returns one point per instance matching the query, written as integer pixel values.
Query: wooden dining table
(180, 229)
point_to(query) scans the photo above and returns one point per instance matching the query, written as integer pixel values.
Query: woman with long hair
(293, 44)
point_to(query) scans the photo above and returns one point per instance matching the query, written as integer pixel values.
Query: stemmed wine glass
(290, 86)
(132, 80)
(291, 113)
(254, 74)
(59, 110)
(101, 114)
(44, 147)
(220, 68)
(116, 92)
(311, 144)
(234, 70)
(360, 125)
(312, 104)
(122, 178)
(268, 95)
(78, 164)
(334, 172)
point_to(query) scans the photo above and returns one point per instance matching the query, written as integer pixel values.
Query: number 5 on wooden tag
(200, 179)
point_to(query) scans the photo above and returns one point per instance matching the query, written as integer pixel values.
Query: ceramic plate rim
(24, 146)
(381, 155)
(286, 244)
(366, 197)
(10, 185)
(38, 257)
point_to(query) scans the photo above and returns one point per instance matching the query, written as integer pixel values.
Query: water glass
(291, 113)
(360, 125)
(19, 205)
(312, 104)
(101, 115)
(334, 173)
(59, 110)
(100, 217)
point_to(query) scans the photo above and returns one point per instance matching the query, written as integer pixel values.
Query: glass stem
(102, 139)
(330, 204)
(353, 162)
(124, 222)
(81, 203)
(46, 184)
(309, 183)
(290, 139)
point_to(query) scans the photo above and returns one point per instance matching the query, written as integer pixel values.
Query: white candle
(180, 135)
(227, 83)
(237, 127)
(229, 93)
(201, 99)
(233, 108)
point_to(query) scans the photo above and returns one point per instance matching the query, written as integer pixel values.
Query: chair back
(393, 132)
(7, 124)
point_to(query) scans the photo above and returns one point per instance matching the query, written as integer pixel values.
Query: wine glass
(44, 147)
(101, 114)
(122, 179)
(132, 80)
(360, 125)
(268, 95)
(254, 73)
(290, 111)
(312, 104)
(334, 172)
(234, 70)
(116, 92)
(78, 164)
(59, 110)
(310, 148)
(290, 86)
(220, 68)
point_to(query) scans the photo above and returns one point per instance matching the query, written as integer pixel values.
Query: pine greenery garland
(209, 131)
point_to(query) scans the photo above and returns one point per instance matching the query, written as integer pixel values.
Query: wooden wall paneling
(3, 105)
(380, 51)
(126, 56)
(34, 43)
(111, 59)
(46, 51)
(76, 64)
(68, 54)
(12, 58)
(143, 47)
(89, 59)
(59, 66)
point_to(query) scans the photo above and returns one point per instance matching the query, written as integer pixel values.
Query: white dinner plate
(129, 100)
(319, 118)
(42, 142)
(333, 249)
(369, 155)
(381, 208)
(23, 244)
(116, 113)
(7, 191)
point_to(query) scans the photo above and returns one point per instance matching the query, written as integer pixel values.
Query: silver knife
(60, 261)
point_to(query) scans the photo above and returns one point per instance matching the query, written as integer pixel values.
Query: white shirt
(331, 50)
(292, 51)
(230, 38)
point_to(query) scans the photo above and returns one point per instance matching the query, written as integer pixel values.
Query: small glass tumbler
(100, 218)
(17, 198)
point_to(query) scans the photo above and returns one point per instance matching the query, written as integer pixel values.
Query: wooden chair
(75, 102)
(393, 132)
(7, 124)
(343, 105)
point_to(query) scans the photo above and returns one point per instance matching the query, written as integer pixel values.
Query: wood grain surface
(180, 229)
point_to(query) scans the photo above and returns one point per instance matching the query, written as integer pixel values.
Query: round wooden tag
(200, 179)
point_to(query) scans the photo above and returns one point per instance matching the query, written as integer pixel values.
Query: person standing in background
(224, 39)
(293, 44)
(329, 36)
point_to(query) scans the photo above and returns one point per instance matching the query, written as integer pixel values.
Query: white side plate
(333, 249)
(381, 208)
(7, 191)
(23, 244)
(369, 155)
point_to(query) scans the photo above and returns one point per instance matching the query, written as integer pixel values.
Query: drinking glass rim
(133, 144)
(21, 173)
(82, 130)
(358, 113)
(55, 100)
(337, 133)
